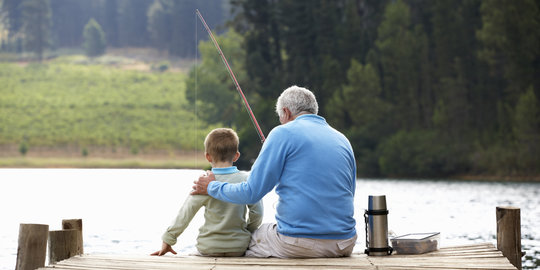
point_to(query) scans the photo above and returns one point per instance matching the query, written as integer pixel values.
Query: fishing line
(196, 90)
(246, 104)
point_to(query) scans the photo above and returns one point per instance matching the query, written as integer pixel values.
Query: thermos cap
(377, 202)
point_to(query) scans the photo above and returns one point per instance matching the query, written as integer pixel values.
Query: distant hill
(79, 104)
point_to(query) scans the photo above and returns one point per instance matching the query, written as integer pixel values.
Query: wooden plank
(101, 261)
(354, 260)
(476, 257)
(87, 262)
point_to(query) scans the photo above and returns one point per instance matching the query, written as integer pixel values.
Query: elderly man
(313, 169)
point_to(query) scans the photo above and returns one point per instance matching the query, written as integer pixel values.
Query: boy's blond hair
(221, 144)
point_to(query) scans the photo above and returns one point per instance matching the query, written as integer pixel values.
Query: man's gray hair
(297, 99)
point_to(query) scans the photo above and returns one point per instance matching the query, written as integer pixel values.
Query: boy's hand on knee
(165, 248)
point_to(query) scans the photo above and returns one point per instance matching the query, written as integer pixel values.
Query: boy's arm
(191, 205)
(165, 248)
(256, 212)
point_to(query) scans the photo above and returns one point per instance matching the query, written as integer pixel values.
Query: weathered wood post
(66, 243)
(32, 248)
(509, 234)
(77, 225)
(62, 245)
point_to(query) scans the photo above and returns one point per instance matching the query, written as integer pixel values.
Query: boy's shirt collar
(227, 170)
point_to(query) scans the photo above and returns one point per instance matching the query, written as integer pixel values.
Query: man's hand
(165, 248)
(201, 185)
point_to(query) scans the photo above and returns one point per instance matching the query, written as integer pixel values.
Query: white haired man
(313, 169)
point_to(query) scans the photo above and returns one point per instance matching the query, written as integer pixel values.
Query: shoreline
(102, 163)
(190, 160)
(488, 178)
(103, 158)
(100, 157)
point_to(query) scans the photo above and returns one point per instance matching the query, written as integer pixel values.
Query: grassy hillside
(77, 104)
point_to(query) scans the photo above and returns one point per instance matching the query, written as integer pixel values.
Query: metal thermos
(376, 218)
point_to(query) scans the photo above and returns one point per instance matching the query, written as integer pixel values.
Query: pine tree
(401, 54)
(527, 131)
(68, 19)
(132, 23)
(360, 112)
(510, 36)
(12, 10)
(36, 25)
(159, 24)
(110, 25)
(94, 39)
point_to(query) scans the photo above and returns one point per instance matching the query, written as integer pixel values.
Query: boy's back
(226, 230)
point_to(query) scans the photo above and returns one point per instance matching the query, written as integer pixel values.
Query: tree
(469, 105)
(527, 131)
(94, 39)
(449, 74)
(159, 24)
(37, 20)
(308, 36)
(510, 36)
(209, 85)
(68, 20)
(110, 25)
(361, 113)
(12, 10)
(132, 23)
(358, 31)
(401, 55)
(173, 27)
(259, 23)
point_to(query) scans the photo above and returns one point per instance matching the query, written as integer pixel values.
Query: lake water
(126, 211)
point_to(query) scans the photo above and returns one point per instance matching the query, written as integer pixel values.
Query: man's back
(317, 183)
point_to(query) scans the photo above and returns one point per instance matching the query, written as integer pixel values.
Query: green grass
(74, 101)
(134, 162)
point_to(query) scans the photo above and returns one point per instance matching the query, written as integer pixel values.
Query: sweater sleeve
(264, 176)
(256, 212)
(190, 207)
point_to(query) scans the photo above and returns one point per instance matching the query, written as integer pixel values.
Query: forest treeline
(421, 88)
(168, 25)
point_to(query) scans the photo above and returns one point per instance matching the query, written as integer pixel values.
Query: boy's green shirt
(226, 228)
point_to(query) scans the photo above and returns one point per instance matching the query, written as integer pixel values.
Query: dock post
(63, 244)
(32, 248)
(509, 233)
(77, 225)
(66, 243)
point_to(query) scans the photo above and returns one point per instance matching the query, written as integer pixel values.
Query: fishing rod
(246, 104)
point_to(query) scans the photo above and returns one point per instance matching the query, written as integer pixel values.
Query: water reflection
(126, 211)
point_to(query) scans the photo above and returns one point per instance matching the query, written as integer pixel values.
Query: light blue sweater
(313, 169)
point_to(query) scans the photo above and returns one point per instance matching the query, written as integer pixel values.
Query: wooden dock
(477, 256)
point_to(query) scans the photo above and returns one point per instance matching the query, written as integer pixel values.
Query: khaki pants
(267, 242)
(226, 254)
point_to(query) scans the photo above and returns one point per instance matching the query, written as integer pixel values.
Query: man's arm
(264, 175)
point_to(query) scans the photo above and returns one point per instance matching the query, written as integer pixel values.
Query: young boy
(226, 232)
